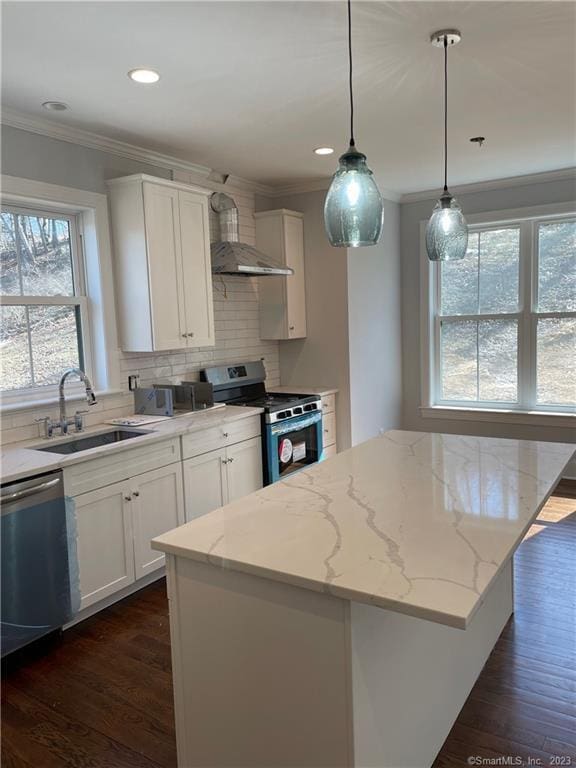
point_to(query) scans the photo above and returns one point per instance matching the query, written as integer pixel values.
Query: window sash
(78, 299)
(527, 318)
(78, 275)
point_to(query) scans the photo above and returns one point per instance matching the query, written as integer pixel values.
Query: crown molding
(317, 185)
(199, 172)
(91, 140)
(486, 186)
(300, 187)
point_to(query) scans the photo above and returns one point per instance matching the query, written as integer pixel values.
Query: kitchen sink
(92, 441)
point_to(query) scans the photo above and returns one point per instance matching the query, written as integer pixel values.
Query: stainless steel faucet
(90, 397)
(64, 422)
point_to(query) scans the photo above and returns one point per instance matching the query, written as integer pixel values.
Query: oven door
(293, 445)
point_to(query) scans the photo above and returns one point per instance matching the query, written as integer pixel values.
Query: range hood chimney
(229, 255)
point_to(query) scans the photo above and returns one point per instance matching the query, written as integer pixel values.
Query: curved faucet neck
(90, 396)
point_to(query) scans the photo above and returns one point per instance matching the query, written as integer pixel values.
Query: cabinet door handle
(291, 328)
(136, 493)
(224, 461)
(190, 334)
(184, 335)
(230, 461)
(127, 497)
(224, 434)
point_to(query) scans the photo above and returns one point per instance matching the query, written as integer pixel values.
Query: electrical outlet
(133, 382)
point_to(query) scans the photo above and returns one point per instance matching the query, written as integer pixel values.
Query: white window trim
(494, 412)
(101, 338)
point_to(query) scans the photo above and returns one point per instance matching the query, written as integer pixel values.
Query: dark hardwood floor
(102, 696)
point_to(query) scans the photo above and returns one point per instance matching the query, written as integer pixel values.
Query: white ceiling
(251, 88)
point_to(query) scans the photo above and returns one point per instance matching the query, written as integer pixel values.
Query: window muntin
(505, 319)
(42, 298)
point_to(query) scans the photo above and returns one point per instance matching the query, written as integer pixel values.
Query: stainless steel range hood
(229, 255)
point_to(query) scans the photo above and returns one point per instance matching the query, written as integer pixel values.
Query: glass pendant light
(446, 231)
(353, 211)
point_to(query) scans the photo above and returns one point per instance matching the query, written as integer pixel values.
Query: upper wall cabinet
(280, 234)
(162, 264)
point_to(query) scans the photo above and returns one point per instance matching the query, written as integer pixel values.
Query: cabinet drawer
(213, 438)
(329, 428)
(328, 403)
(329, 451)
(98, 473)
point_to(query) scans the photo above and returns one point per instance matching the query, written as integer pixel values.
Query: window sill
(8, 406)
(535, 418)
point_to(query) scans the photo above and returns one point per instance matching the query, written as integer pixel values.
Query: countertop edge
(455, 621)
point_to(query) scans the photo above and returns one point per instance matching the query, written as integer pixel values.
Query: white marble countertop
(19, 460)
(288, 389)
(418, 523)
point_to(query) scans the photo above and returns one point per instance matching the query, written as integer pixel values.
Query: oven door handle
(292, 425)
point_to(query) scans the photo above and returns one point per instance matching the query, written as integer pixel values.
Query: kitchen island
(342, 616)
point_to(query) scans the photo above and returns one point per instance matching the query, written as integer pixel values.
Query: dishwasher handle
(25, 492)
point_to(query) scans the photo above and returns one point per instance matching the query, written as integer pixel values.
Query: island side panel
(411, 677)
(261, 671)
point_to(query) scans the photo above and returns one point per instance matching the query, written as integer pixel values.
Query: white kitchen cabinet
(213, 479)
(157, 501)
(280, 234)
(205, 483)
(244, 468)
(162, 264)
(115, 525)
(104, 543)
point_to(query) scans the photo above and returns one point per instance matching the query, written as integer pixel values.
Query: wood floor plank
(102, 697)
(34, 732)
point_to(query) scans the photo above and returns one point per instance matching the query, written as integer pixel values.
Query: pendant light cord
(352, 143)
(445, 113)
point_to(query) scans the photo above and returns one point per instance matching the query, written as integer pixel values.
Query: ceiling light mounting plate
(55, 106)
(453, 36)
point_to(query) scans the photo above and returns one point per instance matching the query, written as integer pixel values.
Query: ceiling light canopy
(55, 106)
(323, 151)
(144, 76)
(353, 210)
(446, 231)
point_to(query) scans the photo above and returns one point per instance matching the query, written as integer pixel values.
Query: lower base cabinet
(115, 525)
(244, 468)
(158, 506)
(104, 543)
(218, 477)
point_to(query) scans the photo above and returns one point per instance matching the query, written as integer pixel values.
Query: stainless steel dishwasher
(38, 560)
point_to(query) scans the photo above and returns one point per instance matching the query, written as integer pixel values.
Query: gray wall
(374, 322)
(411, 216)
(32, 156)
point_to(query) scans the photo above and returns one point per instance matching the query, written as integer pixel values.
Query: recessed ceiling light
(146, 76)
(55, 106)
(323, 151)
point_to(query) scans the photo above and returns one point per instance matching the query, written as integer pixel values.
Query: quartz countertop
(418, 523)
(19, 460)
(288, 389)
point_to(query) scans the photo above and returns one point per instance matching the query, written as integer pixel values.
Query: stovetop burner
(243, 384)
(272, 402)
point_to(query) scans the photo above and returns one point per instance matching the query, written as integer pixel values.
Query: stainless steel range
(291, 424)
